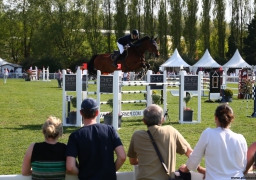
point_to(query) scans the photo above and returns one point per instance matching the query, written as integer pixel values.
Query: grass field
(24, 106)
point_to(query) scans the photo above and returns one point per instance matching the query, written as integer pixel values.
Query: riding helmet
(135, 32)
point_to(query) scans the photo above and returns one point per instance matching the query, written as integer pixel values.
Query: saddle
(120, 57)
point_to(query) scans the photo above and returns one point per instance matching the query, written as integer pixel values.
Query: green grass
(24, 106)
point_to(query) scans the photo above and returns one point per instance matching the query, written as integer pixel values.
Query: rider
(126, 40)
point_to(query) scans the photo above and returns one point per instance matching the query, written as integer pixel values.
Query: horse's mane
(143, 39)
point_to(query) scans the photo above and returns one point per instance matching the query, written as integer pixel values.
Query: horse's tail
(91, 69)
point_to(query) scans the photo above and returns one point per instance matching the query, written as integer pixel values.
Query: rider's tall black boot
(115, 60)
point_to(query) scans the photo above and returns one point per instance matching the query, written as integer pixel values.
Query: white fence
(122, 176)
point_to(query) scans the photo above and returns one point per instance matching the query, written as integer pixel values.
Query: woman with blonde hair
(47, 160)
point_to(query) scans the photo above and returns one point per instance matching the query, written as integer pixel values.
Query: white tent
(206, 61)
(2, 62)
(175, 61)
(236, 62)
(10, 66)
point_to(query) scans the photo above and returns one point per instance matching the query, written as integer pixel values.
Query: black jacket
(127, 40)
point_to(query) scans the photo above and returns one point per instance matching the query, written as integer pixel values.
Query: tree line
(66, 33)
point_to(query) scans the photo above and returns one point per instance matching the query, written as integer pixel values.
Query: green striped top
(48, 170)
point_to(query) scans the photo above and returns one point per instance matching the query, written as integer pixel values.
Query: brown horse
(131, 59)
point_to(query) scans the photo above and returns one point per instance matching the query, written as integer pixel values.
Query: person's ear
(162, 121)
(81, 113)
(144, 121)
(97, 112)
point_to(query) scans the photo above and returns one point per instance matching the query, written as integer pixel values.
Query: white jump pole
(116, 98)
(181, 95)
(47, 74)
(98, 93)
(43, 74)
(78, 97)
(200, 76)
(36, 78)
(149, 91)
(165, 94)
(64, 93)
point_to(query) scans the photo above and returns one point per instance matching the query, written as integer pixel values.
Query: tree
(163, 28)
(93, 18)
(220, 24)
(134, 14)
(205, 24)
(107, 21)
(190, 29)
(240, 16)
(120, 18)
(149, 23)
(250, 43)
(176, 23)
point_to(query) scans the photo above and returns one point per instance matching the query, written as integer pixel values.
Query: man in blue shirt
(124, 41)
(94, 144)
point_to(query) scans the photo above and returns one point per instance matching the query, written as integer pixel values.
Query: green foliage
(228, 92)
(110, 103)
(250, 43)
(187, 99)
(156, 98)
(190, 29)
(73, 101)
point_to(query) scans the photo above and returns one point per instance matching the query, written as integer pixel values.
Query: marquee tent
(206, 61)
(10, 66)
(2, 62)
(175, 61)
(236, 62)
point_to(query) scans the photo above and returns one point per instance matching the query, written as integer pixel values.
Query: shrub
(228, 92)
(73, 101)
(156, 98)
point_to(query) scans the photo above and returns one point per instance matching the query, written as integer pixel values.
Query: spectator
(251, 157)
(94, 145)
(125, 76)
(6, 72)
(59, 78)
(69, 71)
(169, 141)
(224, 150)
(47, 158)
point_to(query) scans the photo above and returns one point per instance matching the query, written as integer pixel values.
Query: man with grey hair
(169, 141)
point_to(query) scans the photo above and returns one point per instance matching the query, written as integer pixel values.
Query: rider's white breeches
(121, 48)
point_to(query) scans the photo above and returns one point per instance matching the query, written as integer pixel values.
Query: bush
(156, 98)
(73, 101)
(228, 92)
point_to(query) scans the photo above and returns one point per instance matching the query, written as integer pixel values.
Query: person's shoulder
(62, 144)
(139, 132)
(209, 130)
(239, 136)
(168, 128)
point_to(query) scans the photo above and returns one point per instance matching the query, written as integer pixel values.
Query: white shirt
(225, 154)
(6, 72)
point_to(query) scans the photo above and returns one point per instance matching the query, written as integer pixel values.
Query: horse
(132, 58)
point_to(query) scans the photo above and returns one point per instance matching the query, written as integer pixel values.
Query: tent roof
(11, 64)
(2, 62)
(175, 61)
(236, 62)
(207, 61)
